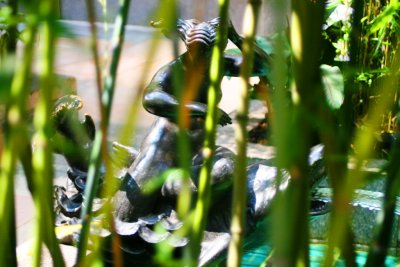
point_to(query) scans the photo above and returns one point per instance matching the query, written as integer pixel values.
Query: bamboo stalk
(96, 251)
(131, 118)
(12, 29)
(100, 146)
(281, 122)
(16, 137)
(129, 124)
(337, 142)
(7, 202)
(8, 156)
(363, 142)
(380, 245)
(94, 48)
(239, 185)
(306, 46)
(42, 158)
(204, 188)
(100, 142)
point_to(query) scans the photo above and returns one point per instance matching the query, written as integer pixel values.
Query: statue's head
(199, 37)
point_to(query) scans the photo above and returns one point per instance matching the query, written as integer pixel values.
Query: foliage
(332, 80)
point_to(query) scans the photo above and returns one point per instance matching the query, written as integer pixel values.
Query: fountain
(138, 210)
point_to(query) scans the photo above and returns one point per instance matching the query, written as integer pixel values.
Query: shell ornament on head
(192, 32)
(195, 32)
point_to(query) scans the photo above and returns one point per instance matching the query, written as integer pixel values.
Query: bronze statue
(193, 68)
(136, 210)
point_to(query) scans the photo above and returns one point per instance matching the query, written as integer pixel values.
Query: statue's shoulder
(165, 72)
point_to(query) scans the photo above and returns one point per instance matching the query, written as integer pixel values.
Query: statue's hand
(162, 25)
(157, 24)
(224, 118)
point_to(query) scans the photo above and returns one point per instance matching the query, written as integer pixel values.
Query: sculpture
(135, 210)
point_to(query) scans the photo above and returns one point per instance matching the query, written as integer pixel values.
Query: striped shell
(195, 32)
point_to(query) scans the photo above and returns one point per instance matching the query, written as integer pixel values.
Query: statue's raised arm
(262, 61)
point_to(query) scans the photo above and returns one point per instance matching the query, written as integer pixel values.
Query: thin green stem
(15, 137)
(94, 48)
(240, 179)
(8, 157)
(8, 160)
(7, 214)
(100, 143)
(216, 74)
(337, 142)
(90, 193)
(42, 161)
(104, 129)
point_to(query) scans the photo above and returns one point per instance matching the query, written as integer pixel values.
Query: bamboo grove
(333, 79)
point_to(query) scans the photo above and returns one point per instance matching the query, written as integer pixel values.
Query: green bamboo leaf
(268, 44)
(387, 15)
(233, 51)
(331, 7)
(333, 84)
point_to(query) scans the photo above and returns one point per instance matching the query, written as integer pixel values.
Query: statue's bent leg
(221, 173)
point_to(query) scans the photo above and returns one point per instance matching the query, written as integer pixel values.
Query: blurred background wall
(142, 12)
